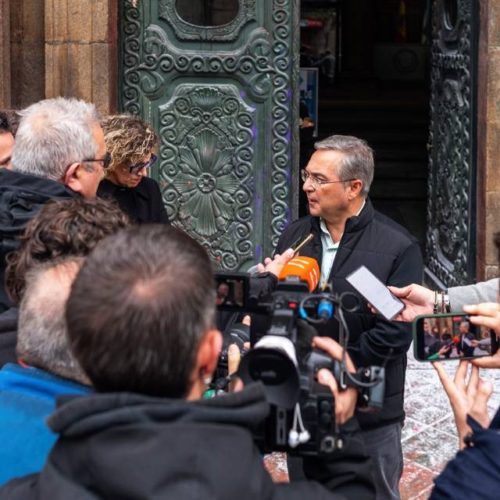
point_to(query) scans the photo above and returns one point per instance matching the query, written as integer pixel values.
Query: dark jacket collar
(91, 414)
(108, 188)
(33, 184)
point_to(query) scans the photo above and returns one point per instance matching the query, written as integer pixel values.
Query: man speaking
(347, 233)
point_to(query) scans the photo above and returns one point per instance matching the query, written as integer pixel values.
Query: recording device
(302, 418)
(232, 291)
(440, 337)
(375, 292)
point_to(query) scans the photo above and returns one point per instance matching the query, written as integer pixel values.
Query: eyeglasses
(105, 161)
(315, 182)
(135, 169)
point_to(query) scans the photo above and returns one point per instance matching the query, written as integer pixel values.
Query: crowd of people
(108, 337)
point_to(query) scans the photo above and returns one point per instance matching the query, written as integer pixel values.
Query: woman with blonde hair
(132, 142)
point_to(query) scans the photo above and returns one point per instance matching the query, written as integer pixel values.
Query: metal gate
(451, 233)
(221, 94)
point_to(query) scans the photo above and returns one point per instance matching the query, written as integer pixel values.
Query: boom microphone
(304, 268)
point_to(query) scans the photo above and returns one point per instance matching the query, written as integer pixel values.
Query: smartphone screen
(451, 336)
(375, 292)
(232, 290)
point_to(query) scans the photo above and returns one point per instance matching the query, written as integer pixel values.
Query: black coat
(143, 204)
(21, 197)
(393, 255)
(8, 336)
(474, 473)
(132, 446)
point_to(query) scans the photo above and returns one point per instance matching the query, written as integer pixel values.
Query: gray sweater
(484, 291)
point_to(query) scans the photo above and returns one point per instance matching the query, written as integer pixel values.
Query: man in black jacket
(348, 233)
(140, 323)
(59, 153)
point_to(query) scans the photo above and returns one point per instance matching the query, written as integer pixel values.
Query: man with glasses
(132, 142)
(349, 232)
(59, 153)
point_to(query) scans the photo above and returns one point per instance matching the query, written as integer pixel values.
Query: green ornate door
(217, 80)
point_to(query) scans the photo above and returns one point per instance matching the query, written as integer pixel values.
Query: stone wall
(4, 54)
(489, 137)
(58, 47)
(80, 50)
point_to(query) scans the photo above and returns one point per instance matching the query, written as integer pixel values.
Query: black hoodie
(21, 197)
(130, 446)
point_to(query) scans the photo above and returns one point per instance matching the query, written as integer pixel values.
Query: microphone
(304, 268)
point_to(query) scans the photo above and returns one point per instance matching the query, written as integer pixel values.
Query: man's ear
(208, 352)
(356, 187)
(72, 175)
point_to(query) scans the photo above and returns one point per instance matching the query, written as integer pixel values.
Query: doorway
(370, 59)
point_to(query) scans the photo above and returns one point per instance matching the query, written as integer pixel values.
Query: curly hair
(62, 228)
(128, 138)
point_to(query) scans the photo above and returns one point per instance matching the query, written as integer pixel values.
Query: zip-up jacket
(393, 255)
(131, 446)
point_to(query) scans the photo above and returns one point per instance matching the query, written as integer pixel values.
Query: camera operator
(140, 322)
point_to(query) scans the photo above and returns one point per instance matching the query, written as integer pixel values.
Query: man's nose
(307, 185)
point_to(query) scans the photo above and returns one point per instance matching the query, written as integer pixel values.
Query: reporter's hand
(234, 358)
(417, 300)
(345, 401)
(486, 314)
(466, 396)
(275, 266)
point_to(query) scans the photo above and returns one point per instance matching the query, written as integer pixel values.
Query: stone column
(81, 51)
(488, 138)
(27, 38)
(4, 54)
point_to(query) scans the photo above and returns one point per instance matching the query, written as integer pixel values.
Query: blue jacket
(27, 397)
(474, 473)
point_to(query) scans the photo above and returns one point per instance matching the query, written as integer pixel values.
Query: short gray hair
(358, 158)
(42, 338)
(53, 134)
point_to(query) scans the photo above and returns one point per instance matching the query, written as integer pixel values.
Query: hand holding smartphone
(375, 292)
(440, 337)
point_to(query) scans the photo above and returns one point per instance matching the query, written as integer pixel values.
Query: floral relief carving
(207, 168)
(232, 100)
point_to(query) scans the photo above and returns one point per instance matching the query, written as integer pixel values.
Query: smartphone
(375, 292)
(232, 290)
(439, 337)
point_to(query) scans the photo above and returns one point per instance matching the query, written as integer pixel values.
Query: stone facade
(59, 47)
(489, 130)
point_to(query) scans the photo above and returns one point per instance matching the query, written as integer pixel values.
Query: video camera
(302, 419)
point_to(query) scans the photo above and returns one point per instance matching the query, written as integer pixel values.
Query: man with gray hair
(28, 391)
(348, 233)
(59, 153)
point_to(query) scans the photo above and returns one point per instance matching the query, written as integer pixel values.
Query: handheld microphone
(304, 268)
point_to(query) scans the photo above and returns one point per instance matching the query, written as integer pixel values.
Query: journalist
(475, 471)
(140, 322)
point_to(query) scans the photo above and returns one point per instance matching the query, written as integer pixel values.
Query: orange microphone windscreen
(305, 268)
